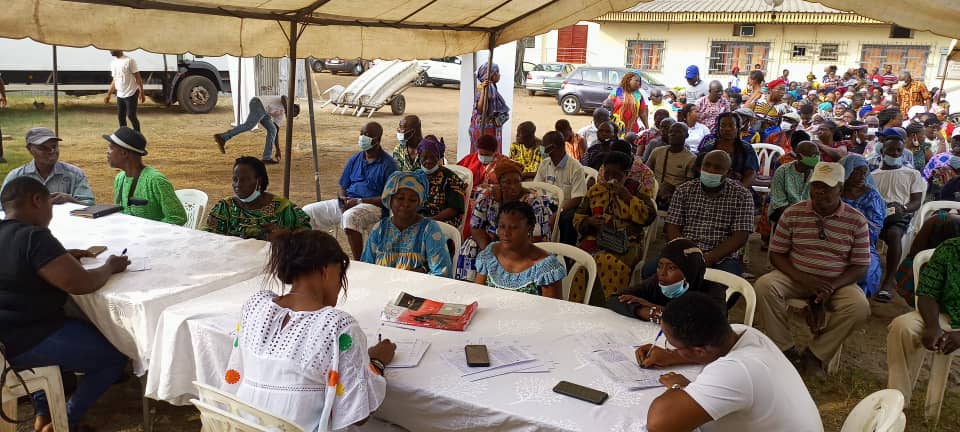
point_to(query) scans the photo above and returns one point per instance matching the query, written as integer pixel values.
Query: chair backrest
(195, 203)
(879, 412)
(453, 235)
(218, 420)
(929, 209)
(556, 196)
(919, 260)
(581, 260)
(738, 284)
(590, 173)
(465, 174)
(767, 153)
(227, 402)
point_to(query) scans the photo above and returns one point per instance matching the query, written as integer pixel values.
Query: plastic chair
(330, 95)
(195, 203)
(881, 411)
(237, 409)
(766, 153)
(736, 284)
(921, 217)
(834, 364)
(45, 378)
(919, 260)
(556, 196)
(581, 260)
(218, 420)
(467, 176)
(590, 173)
(453, 235)
(940, 368)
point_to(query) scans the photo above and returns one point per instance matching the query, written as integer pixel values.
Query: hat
(692, 72)
(773, 84)
(895, 132)
(792, 115)
(40, 135)
(129, 139)
(931, 122)
(736, 69)
(749, 113)
(916, 110)
(830, 173)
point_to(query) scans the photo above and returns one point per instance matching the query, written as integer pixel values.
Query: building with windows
(663, 37)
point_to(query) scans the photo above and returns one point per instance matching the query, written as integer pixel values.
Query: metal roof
(730, 6)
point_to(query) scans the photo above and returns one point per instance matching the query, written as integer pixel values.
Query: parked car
(336, 65)
(586, 88)
(439, 71)
(535, 78)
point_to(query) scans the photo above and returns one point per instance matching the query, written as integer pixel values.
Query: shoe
(883, 296)
(221, 143)
(269, 161)
(811, 366)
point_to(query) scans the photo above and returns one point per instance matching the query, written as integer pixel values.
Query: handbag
(612, 239)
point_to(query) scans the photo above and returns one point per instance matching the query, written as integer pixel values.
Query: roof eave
(736, 17)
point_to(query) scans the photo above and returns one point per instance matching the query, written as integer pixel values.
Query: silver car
(534, 82)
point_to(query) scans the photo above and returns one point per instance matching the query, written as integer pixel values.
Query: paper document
(620, 365)
(500, 356)
(605, 340)
(137, 263)
(408, 353)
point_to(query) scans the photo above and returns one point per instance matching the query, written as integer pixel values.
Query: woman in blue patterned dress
(860, 192)
(515, 263)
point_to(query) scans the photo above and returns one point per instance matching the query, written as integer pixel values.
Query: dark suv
(586, 88)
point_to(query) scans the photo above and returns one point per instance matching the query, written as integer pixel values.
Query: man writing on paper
(36, 274)
(746, 385)
(66, 182)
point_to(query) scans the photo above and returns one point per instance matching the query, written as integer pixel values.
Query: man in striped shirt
(821, 248)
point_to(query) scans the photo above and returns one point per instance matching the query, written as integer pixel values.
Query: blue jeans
(76, 348)
(257, 115)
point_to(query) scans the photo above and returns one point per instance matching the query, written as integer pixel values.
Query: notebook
(95, 211)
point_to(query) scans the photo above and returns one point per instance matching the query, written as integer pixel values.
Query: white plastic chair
(195, 203)
(766, 153)
(330, 95)
(45, 378)
(940, 368)
(453, 235)
(214, 419)
(467, 176)
(590, 173)
(834, 366)
(581, 260)
(881, 411)
(736, 284)
(556, 195)
(237, 409)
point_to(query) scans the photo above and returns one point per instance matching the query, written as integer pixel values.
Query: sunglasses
(822, 232)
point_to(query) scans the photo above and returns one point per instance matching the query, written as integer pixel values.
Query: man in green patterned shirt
(141, 190)
(934, 326)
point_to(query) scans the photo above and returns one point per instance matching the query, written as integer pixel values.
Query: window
(645, 55)
(911, 58)
(829, 52)
(594, 75)
(799, 51)
(725, 55)
(897, 32)
(529, 42)
(614, 76)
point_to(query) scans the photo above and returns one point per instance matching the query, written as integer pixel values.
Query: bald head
(373, 130)
(807, 148)
(717, 162)
(714, 91)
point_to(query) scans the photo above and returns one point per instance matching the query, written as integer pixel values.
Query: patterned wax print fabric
(544, 272)
(445, 190)
(228, 218)
(421, 247)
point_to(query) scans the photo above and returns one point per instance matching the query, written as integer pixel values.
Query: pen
(124, 253)
(650, 350)
(379, 337)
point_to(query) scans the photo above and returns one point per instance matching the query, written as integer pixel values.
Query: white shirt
(698, 91)
(273, 105)
(567, 175)
(734, 82)
(896, 185)
(695, 135)
(652, 110)
(589, 134)
(754, 388)
(122, 69)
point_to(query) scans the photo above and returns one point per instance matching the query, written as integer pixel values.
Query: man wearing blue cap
(698, 88)
(67, 183)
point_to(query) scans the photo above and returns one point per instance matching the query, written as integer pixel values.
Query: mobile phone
(477, 355)
(96, 250)
(577, 391)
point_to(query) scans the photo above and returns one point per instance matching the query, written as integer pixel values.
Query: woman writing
(407, 240)
(252, 211)
(860, 192)
(483, 219)
(514, 262)
(690, 116)
(610, 221)
(726, 137)
(681, 268)
(445, 191)
(629, 108)
(297, 356)
(489, 107)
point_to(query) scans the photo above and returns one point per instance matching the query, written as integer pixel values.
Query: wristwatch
(676, 387)
(378, 365)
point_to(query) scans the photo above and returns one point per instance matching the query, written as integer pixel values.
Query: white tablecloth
(194, 341)
(185, 263)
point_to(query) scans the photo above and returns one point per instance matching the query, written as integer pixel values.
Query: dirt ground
(182, 147)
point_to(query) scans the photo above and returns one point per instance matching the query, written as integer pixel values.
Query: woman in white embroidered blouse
(296, 355)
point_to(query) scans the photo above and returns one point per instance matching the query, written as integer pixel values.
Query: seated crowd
(840, 179)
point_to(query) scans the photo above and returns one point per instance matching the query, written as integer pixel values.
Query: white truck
(27, 65)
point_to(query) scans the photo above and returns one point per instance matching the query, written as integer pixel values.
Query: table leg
(147, 414)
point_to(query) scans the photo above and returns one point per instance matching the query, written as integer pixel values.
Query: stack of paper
(620, 365)
(137, 263)
(408, 353)
(505, 358)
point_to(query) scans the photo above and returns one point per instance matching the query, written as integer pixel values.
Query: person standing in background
(129, 87)
(697, 87)
(3, 104)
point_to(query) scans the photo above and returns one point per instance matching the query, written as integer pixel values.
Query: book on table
(96, 211)
(420, 312)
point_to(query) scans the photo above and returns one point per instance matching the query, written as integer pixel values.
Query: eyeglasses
(822, 234)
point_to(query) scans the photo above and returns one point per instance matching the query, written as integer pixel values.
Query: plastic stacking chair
(834, 364)
(581, 260)
(940, 368)
(736, 284)
(218, 420)
(45, 378)
(766, 153)
(881, 411)
(467, 176)
(195, 203)
(236, 409)
(590, 173)
(453, 235)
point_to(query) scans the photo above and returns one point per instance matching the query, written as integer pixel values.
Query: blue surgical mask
(485, 159)
(365, 143)
(431, 170)
(543, 152)
(253, 197)
(892, 161)
(674, 290)
(401, 137)
(710, 180)
(954, 162)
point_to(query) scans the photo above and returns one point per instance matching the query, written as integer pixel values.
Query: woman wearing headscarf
(860, 192)
(483, 161)
(681, 269)
(629, 108)
(406, 240)
(446, 193)
(483, 217)
(487, 100)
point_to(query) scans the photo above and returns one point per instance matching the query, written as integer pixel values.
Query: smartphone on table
(577, 391)
(477, 355)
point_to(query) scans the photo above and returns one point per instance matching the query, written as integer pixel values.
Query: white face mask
(401, 137)
(365, 143)
(253, 196)
(872, 131)
(786, 126)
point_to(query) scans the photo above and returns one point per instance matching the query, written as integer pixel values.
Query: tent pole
(483, 115)
(291, 94)
(943, 80)
(313, 126)
(56, 95)
(239, 89)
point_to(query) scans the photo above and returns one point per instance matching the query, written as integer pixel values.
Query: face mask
(485, 159)
(401, 137)
(543, 152)
(954, 162)
(431, 170)
(932, 142)
(675, 290)
(253, 197)
(810, 161)
(365, 143)
(668, 99)
(892, 161)
(786, 126)
(872, 131)
(710, 180)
